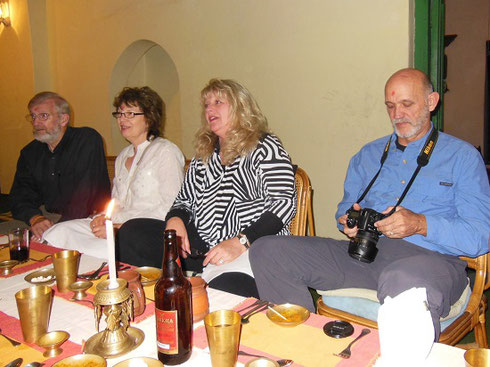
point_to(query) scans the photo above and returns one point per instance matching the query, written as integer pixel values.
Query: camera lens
(363, 247)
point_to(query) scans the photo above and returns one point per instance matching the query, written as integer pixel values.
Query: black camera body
(363, 246)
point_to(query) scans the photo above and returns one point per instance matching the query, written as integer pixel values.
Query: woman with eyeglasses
(148, 176)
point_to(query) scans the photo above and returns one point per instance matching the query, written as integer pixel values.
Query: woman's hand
(178, 226)
(97, 225)
(225, 252)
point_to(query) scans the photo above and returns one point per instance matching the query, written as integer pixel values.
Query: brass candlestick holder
(118, 338)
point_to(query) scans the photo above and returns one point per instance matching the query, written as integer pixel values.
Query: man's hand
(402, 223)
(178, 226)
(39, 225)
(350, 232)
(225, 252)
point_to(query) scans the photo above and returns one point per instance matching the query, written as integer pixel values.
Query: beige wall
(464, 102)
(16, 87)
(317, 68)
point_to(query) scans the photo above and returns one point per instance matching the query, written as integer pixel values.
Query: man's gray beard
(48, 137)
(419, 124)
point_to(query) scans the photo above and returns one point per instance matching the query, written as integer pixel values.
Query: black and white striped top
(254, 195)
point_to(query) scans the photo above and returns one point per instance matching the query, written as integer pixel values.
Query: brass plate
(140, 361)
(41, 273)
(478, 357)
(82, 360)
(294, 314)
(149, 275)
(94, 344)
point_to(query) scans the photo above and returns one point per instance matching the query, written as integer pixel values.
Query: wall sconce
(4, 12)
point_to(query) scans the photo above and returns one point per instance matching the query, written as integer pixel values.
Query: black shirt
(71, 181)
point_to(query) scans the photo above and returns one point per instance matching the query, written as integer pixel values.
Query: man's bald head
(409, 99)
(416, 76)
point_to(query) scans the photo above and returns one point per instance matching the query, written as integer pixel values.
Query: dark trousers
(140, 242)
(284, 268)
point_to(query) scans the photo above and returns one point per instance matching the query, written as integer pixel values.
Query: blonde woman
(239, 187)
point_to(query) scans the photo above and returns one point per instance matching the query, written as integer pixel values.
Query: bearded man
(444, 214)
(63, 171)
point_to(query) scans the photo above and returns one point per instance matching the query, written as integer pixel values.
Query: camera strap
(422, 161)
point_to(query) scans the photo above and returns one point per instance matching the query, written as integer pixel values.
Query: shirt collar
(417, 144)
(64, 140)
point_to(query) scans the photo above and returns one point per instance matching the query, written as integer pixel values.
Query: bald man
(445, 214)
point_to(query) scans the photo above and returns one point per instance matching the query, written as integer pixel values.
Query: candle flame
(109, 209)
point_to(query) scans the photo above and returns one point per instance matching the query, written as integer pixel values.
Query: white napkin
(406, 332)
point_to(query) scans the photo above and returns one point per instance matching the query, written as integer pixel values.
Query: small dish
(7, 265)
(477, 357)
(41, 277)
(82, 360)
(52, 341)
(262, 362)
(149, 275)
(80, 288)
(294, 314)
(140, 362)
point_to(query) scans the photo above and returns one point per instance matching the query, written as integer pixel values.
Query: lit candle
(111, 247)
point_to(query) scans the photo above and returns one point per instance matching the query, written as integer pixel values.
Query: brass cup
(80, 289)
(478, 357)
(6, 266)
(223, 332)
(52, 341)
(34, 306)
(65, 265)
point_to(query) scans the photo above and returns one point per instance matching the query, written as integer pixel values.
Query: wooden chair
(111, 167)
(304, 212)
(472, 317)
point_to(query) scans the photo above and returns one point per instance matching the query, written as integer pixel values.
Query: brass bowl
(479, 357)
(48, 274)
(52, 341)
(262, 362)
(149, 275)
(294, 315)
(82, 360)
(140, 362)
(7, 265)
(80, 288)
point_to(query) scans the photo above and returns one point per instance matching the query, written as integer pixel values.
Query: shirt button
(403, 182)
(404, 161)
(397, 199)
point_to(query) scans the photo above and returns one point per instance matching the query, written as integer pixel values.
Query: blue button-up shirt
(452, 191)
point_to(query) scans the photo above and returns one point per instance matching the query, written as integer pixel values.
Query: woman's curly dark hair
(151, 105)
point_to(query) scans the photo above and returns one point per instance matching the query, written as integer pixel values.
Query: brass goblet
(52, 341)
(7, 265)
(80, 288)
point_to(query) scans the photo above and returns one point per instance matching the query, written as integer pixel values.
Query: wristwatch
(244, 240)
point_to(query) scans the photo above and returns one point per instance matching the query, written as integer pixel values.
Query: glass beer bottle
(173, 307)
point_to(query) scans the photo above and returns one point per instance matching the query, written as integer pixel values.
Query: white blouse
(149, 188)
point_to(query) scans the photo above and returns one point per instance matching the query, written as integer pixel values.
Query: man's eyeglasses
(128, 115)
(42, 116)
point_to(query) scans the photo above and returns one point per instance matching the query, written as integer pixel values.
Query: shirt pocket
(436, 188)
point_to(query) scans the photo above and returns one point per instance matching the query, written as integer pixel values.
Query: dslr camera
(363, 246)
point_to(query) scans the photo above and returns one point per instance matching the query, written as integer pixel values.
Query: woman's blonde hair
(248, 124)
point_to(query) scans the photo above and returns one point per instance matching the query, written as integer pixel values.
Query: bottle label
(167, 331)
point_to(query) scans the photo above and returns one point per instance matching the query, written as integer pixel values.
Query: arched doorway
(147, 63)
